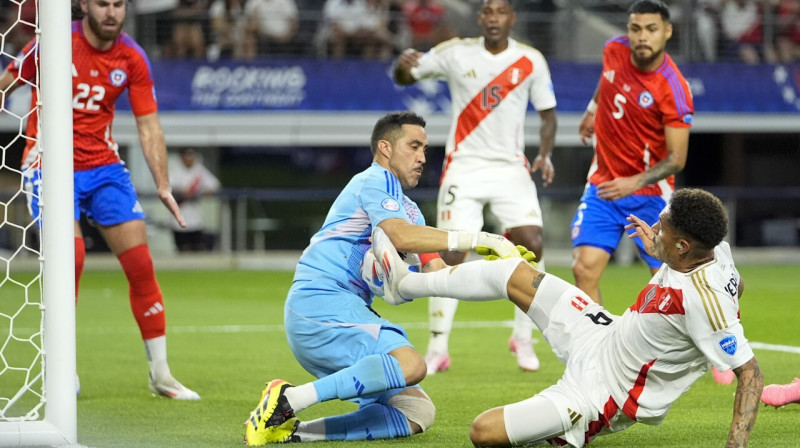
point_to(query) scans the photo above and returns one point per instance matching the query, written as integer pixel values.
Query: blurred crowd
(750, 31)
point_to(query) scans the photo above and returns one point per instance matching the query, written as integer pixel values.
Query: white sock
(441, 312)
(302, 396)
(156, 351)
(475, 281)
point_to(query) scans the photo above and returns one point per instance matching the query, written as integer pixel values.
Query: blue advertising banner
(354, 85)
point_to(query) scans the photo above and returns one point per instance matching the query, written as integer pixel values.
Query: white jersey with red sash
(490, 94)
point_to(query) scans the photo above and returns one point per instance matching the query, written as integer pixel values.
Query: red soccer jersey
(98, 79)
(633, 107)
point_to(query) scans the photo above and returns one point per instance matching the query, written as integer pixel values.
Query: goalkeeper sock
(371, 422)
(371, 374)
(441, 312)
(476, 281)
(147, 303)
(80, 258)
(302, 396)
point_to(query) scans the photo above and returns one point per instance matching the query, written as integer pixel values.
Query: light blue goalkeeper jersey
(337, 249)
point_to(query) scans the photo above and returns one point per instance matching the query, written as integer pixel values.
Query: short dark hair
(389, 125)
(650, 7)
(698, 215)
(511, 3)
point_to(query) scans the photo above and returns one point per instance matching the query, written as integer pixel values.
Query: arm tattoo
(537, 279)
(660, 170)
(745, 404)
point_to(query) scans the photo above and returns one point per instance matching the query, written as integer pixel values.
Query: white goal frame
(60, 424)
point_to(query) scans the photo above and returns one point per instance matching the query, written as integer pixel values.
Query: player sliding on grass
(619, 369)
(330, 326)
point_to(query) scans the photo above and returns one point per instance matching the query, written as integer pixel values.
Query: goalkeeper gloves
(528, 255)
(483, 243)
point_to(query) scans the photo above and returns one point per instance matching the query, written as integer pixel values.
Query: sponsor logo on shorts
(390, 204)
(137, 208)
(728, 344)
(118, 77)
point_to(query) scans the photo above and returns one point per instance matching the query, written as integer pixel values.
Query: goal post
(56, 385)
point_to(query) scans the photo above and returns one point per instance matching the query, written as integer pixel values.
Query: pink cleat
(781, 394)
(523, 350)
(437, 362)
(725, 377)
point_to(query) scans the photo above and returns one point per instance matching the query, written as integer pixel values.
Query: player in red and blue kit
(106, 62)
(639, 117)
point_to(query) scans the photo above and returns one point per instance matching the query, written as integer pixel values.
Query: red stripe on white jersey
(487, 100)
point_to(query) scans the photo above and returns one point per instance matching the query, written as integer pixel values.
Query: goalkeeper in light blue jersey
(330, 326)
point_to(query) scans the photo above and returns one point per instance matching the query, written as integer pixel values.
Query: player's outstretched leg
(781, 394)
(273, 420)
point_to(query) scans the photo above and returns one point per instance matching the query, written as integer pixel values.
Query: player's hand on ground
(172, 205)
(586, 128)
(545, 165)
(644, 232)
(409, 59)
(618, 188)
(498, 245)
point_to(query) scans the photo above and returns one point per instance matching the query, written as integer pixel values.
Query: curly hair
(390, 125)
(698, 215)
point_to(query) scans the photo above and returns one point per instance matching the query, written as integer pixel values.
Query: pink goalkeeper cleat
(781, 394)
(725, 377)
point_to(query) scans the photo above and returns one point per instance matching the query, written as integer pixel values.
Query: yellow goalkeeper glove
(526, 254)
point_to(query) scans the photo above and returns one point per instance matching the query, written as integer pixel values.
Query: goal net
(37, 312)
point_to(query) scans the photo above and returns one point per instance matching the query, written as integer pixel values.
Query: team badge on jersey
(728, 344)
(117, 77)
(646, 99)
(390, 204)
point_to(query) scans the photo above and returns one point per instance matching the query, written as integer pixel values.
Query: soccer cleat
(393, 267)
(437, 362)
(782, 394)
(725, 377)
(267, 422)
(170, 387)
(523, 350)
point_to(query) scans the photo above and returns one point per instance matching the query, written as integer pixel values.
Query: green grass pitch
(226, 340)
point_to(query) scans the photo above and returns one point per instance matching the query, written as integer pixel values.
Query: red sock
(80, 257)
(145, 294)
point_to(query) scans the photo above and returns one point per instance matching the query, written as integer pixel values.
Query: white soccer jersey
(490, 95)
(664, 342)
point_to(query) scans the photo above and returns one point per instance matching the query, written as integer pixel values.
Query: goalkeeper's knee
(419, 410)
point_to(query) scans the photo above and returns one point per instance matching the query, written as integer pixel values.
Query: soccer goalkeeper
(330, 326)
(620, 370)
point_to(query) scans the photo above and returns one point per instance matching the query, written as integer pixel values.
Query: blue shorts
(104, 194)
(601, 223)
(329, 329)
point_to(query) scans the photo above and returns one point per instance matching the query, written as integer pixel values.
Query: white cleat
(170, 387)
(523, 350)
(393, 268)
(437, 362)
